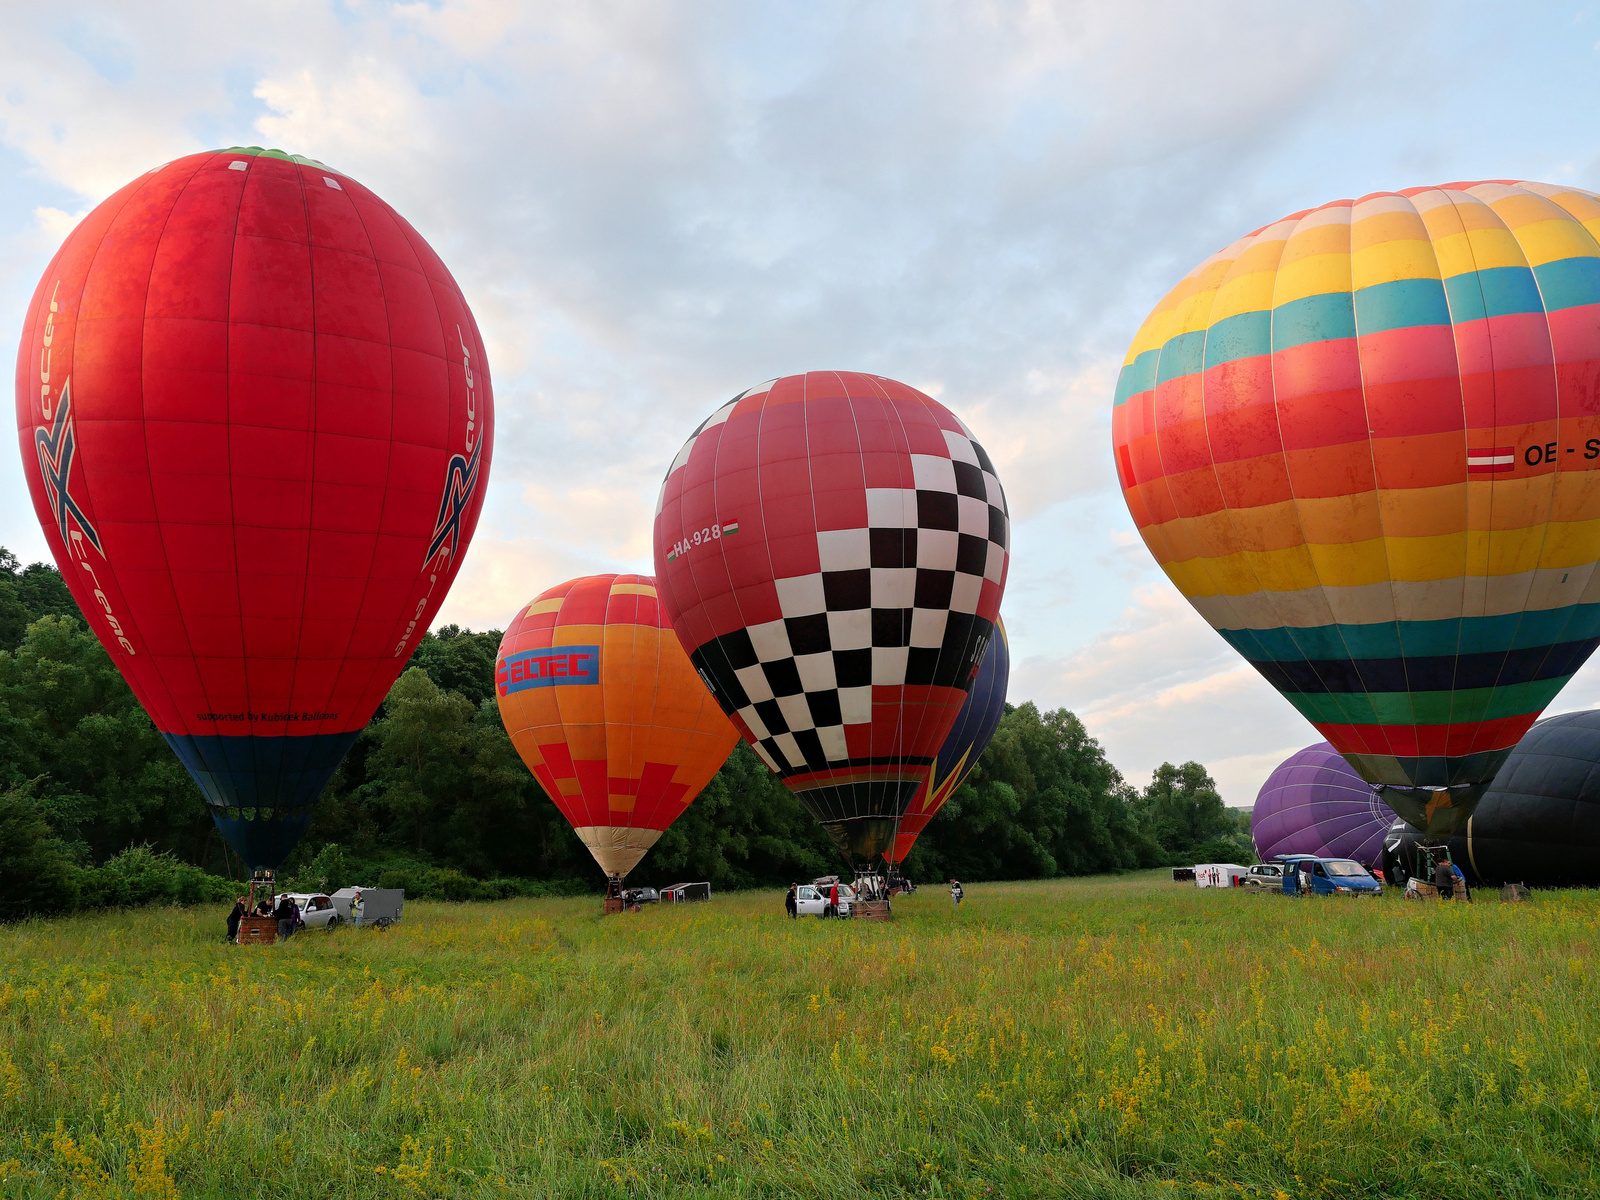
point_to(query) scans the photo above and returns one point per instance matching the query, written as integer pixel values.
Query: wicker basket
(258, 931)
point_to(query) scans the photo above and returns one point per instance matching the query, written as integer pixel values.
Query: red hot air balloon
(256, 422)
(831, 549)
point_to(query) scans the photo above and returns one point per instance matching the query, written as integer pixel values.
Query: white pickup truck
(811, 900)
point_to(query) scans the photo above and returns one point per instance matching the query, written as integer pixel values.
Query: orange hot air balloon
(604, 707)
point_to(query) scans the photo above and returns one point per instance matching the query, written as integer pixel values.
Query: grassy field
(1101, 1037)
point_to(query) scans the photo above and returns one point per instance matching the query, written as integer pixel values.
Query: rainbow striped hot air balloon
(1364, 442)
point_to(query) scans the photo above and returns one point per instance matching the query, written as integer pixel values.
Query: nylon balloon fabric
(1363, 442)
(832, 549)
(1315, 803)
(256, 423)
(1539, 822)
(605, 709)
(964, 745)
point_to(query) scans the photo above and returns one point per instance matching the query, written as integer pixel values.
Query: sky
(653, 206)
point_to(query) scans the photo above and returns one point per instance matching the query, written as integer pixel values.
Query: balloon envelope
(603, 706)
(964, 745)
(1362, 441)
(832, 549)
(256, 423)
(1315, 803)
(1539, 822)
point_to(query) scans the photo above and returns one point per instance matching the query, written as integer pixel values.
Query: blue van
(1329, 876)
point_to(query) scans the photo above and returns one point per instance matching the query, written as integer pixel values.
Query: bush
(445, 883)
(141, 876)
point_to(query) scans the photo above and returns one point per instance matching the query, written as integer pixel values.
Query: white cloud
(54, 225)
(652, 206)
(1162, 686)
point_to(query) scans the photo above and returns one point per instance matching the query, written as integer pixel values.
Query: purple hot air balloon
(1315, 803)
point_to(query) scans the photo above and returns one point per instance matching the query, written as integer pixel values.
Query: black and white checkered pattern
(711, 422)
(894, 603)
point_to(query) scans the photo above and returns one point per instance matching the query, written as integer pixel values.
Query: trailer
(1219, 875)
(679, 892)
(378, 907)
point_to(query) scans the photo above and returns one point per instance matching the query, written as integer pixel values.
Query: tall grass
(1112, 1038)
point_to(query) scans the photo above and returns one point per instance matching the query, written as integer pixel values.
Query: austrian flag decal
(1491, 461)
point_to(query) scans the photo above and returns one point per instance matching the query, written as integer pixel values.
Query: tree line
(95, 809)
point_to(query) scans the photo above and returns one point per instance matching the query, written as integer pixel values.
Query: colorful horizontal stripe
(1359, 440)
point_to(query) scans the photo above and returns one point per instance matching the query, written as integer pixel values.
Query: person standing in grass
(1461, 879)
(1444, 878)
(956, 894)
(234, 918)
(789, 904)
(286, 913)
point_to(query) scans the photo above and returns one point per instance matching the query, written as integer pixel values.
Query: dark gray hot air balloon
(1539, 822)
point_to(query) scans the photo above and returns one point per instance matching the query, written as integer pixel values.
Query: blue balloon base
(261, 790)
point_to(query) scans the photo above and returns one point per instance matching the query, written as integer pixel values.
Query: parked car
(1329, 876)
(641, 895)
(1265, 875)
(811, 900)
(316, 910)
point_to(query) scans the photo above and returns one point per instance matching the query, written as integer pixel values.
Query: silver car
(1265, 875)
(316, 909)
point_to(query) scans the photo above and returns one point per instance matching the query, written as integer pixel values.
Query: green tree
(36, 869)
(443, 781)
(1181, 811)
(420, 757)
(1043, 800)
(106, 778)
(28, 594)
(745, 830)
(459, 660)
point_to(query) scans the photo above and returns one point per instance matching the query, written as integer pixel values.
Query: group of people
(1447, 877)
(286, 913)
(790, 906)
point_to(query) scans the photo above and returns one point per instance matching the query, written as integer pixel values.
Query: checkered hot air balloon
(603, 706)
(1364, 442)
(256, 423)
(832, 549)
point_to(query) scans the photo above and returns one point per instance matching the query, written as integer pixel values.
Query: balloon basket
(257, 930)
(613, 904)
(871, 910)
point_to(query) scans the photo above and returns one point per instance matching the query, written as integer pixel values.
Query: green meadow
(1106, 1037)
